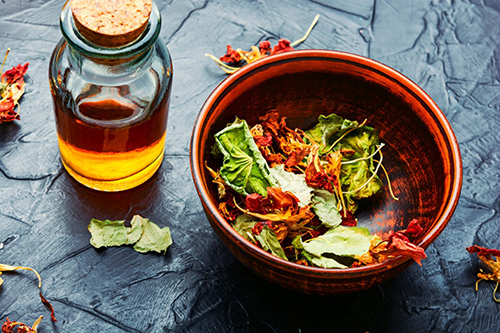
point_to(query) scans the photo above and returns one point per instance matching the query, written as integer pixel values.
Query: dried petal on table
(8, 326)
(234, 59)
(490, 258)
(11, 89)
(9, 268)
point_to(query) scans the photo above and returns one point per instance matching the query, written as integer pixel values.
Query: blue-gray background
(450, 48)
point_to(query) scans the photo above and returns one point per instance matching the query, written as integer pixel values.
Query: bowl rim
(260, 254)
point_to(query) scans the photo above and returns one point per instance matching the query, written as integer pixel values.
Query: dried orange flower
(486, 257)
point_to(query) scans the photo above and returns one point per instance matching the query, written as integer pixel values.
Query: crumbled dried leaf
(145, 235)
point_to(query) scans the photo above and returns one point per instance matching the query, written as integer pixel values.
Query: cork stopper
(111, 23)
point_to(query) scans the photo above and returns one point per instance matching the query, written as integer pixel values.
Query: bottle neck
(109, 71)
(100, 63)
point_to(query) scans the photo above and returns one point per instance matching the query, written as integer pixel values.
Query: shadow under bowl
(421, 154)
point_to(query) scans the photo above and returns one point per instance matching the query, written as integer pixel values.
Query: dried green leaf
(297, 243)
(322, 261)
(243, 168)
(340, 241)
(325, 208)
(113, 233)
(153, 238)
(294, 183)
(243, 225)
(143, 234)
(329, 129)
(269, 242)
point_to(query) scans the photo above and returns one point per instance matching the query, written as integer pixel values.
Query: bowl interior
(420, 156)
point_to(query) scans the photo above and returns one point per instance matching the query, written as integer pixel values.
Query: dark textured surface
(450, 48)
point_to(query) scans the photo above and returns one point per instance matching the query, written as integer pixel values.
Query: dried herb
(269, 242)
(489, 258)
(9, 326)
(11, 89)
(233, 60)
(244, 169)
(8, 268)
(293, 193)
(283, 207)
(397, 243)
(153, 238)
(244, 225)
(294, 183)
(340, 241)
(328, 130)
(49, 306)
(325, 208)
(143, 234)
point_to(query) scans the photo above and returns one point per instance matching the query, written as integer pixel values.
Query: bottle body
(111, 112)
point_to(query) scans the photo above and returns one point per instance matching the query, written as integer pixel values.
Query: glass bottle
(111, 103)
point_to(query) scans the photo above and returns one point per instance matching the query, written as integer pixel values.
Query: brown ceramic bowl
(421, 153)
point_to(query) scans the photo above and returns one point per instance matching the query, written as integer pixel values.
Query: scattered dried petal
(234, 57)
(11, 89)
(8, 326)
(9, 268)
(49, 306)
(482, 251)
(282, 46)
(15, 74)
(265, 47)
(493, 264)
(231, 56)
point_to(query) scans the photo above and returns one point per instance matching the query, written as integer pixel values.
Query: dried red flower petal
(282, 46)
(317, 177)
(280, 229)
(482, 251)
(48, 305)
(296, 157)
(276, 199)
(7, 112)
(284, 208)
(272, 159)
(399, 244)
(231, 56)
(493, 264)
(8, 326)
(234, 57)
(257, 203)
(281, 199)
(348, 218)
(270, 122)
(414, 229)
(265, 47)
(263, 141)
(6, 106)
(321, 180)
(12, 88)
(228, 208)
(16, 73)
(257, 228)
